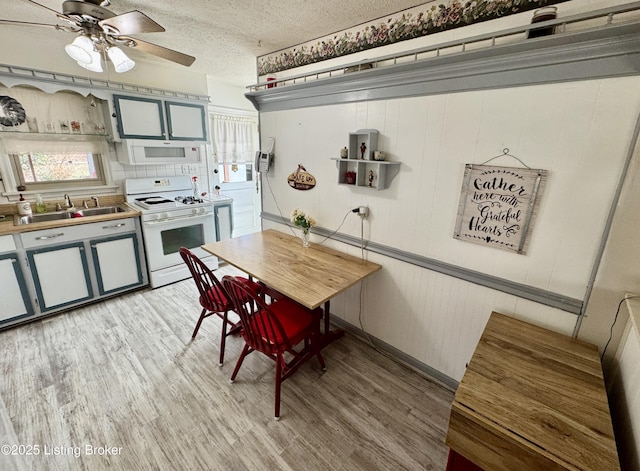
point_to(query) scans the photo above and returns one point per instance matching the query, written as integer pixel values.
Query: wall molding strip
(547, 298)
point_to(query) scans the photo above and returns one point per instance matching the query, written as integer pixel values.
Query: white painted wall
(567, 129)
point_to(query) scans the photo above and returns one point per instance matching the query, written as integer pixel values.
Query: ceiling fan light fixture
(80, 49)
(120, 60)
(95, 64)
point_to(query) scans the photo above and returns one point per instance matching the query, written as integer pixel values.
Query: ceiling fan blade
(43, 6)
(25, 23)
(159, 51)
(133, 22)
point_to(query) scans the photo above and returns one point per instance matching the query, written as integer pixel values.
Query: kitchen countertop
(8, 227)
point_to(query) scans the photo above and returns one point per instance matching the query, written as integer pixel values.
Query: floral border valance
(410, 24)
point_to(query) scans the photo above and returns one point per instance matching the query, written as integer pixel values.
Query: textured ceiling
(224, 36)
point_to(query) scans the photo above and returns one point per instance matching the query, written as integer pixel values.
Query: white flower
(300, 219)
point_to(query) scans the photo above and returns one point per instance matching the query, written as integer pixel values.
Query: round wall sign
(301, 179)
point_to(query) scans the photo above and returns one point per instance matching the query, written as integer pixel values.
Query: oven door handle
(182, 218)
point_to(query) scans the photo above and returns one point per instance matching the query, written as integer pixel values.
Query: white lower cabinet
(61, 275)
(69, 266)
(117, 263)
(13, 289)
(224, 221)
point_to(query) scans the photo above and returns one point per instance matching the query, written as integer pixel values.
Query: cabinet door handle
(52, 236)
(114, 226)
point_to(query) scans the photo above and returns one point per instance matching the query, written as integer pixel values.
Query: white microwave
(152, 152)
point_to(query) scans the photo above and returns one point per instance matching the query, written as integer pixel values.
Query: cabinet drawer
(61, 235)
(7, 244)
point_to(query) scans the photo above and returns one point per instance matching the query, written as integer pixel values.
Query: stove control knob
(165, 216)
(194, 211)
(202, 210)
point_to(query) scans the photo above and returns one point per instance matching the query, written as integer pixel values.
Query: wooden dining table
(531, 399)
(311, 276)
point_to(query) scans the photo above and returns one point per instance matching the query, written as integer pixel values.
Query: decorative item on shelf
(75, 127)
(371, 177)
(301, 179)
(540, 15)
(11, 112)
(271, 78)
(49, 127)
(350, 177)
(64, 126)
(32, 123)
(305, 223)
(378, 155)
(363, 149)
(344, 153)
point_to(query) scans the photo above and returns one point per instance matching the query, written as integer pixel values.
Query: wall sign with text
(498, 206)
(301, 179)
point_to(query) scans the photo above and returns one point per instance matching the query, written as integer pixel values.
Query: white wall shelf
(608, 50)
(369, 173)
(383, 172)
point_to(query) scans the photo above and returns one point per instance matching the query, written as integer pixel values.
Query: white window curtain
(234, 138)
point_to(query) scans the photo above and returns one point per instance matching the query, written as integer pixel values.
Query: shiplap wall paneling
(579, 132)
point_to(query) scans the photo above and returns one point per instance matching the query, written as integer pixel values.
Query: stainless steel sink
(98, 211)
(43, 217)
(62, 215)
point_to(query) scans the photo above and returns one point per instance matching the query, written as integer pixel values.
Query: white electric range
(172, 217)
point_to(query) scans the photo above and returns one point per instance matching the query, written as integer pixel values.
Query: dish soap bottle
(196, 188)
(24, 207)
(40, 206)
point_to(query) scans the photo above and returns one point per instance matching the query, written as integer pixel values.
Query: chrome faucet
(84, 204)
(95, 198)
(67, 202)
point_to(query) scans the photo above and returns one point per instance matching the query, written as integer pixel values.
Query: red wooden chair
(213, 297)
(274, 329)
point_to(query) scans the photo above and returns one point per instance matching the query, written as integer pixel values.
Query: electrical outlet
(363, 211)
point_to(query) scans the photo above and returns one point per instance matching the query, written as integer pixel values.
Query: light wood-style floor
(123, 376)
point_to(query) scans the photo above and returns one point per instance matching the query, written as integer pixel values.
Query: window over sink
(36, 170)
(62, 146)
(44, 164)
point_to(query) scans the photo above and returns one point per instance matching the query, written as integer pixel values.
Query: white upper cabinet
(148, 118)
(186, 121)
(139, 117)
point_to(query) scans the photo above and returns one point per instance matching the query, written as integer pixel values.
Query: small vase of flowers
(305, 223)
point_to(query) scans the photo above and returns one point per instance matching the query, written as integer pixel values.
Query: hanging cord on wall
(290, 227)
(334, 232)
(615, 319)
(276, 202)
(362, 238)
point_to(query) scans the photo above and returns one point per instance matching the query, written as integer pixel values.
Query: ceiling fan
(100, 32)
